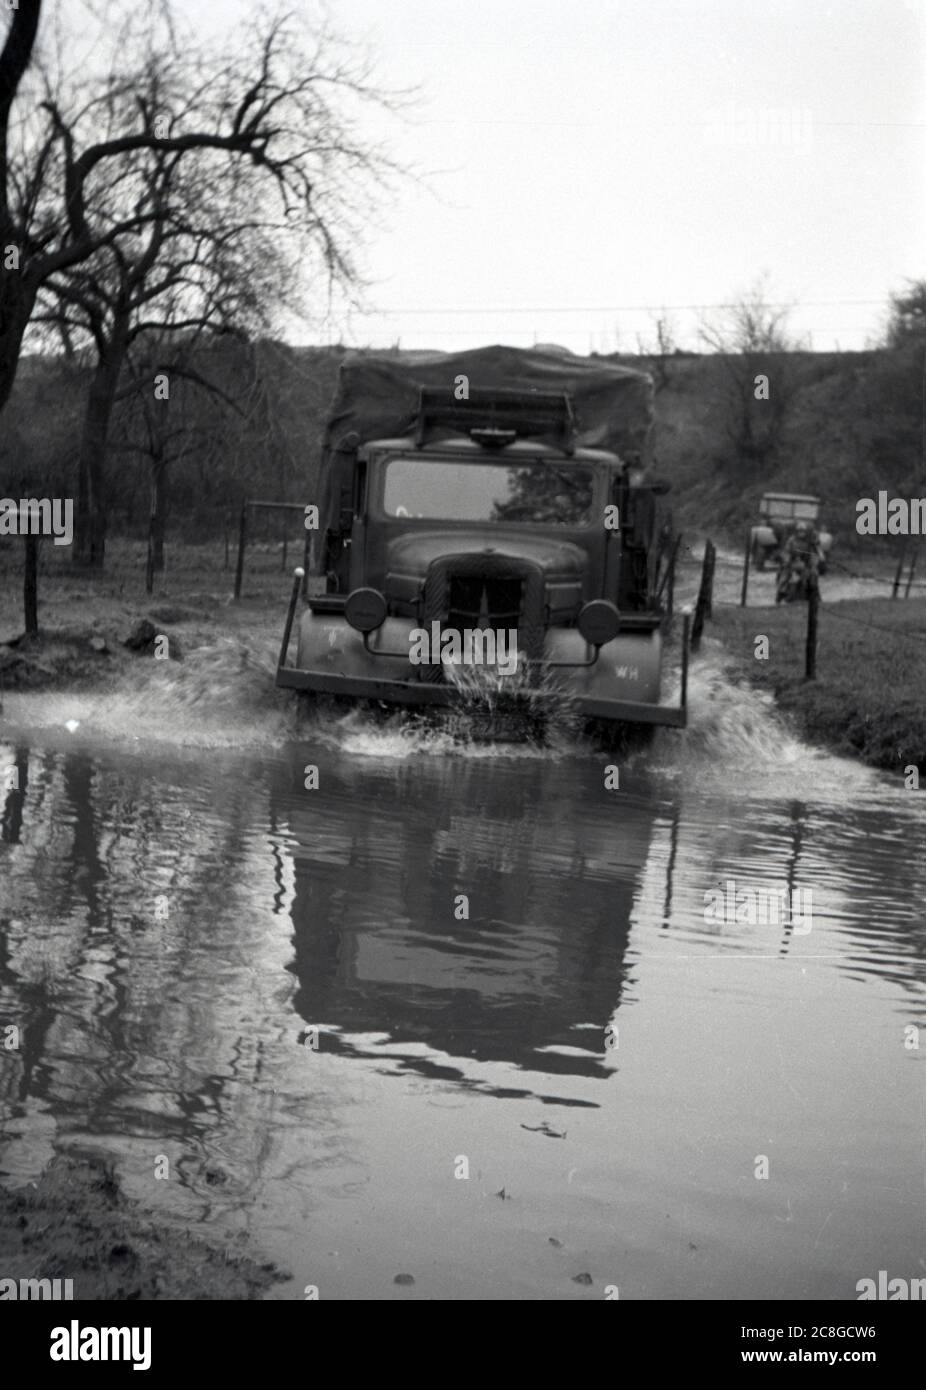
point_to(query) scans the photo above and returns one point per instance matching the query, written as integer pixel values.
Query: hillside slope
(848, 424)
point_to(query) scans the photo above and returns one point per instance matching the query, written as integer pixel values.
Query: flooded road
(465, 1015)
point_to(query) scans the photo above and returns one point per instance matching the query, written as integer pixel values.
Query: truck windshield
(455, 490)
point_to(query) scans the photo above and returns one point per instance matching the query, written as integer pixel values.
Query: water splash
(737, 737)
(529, 705)
(221, 696)
(400, 735)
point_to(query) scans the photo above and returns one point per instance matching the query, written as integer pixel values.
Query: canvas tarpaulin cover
(377, 398)
(378, 395)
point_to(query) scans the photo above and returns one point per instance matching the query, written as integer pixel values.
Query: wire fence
(732, 562)
(896, 585)
(832, 611)
(875, 579)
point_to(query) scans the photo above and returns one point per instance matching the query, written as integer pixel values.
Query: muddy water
(278, 990)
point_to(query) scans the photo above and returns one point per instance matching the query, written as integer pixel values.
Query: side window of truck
(360, 488)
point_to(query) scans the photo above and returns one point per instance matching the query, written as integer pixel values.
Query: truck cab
(489, 516)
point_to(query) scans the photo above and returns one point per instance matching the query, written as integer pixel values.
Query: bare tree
(907, 316)
(658, 354)
(165, 437)
(199, 267)
(906, 336)
(81, 177)
(757, 385)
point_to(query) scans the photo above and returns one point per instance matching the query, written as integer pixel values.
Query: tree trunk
(82, 511)
(90, 529)
(159, 492)
(17, 300)
(18, 288)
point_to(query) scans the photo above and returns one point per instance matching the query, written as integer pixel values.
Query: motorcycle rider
(800, 560)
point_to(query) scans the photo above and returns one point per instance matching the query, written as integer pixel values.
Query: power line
(616, 308)
(740, 115)
(582, 330)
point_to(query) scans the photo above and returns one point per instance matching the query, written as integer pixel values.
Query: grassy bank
(869, 698)
(85, 618)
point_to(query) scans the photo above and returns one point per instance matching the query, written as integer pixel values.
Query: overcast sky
(591, 162)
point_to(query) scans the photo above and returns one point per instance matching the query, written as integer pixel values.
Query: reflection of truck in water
(493, 491)
(535, 973)
(780, 513)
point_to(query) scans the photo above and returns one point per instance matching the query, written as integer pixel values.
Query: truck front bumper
(421, 694)
(621, 686)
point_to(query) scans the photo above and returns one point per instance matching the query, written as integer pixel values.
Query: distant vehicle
(779, 514)
(800, 565)
(483, 510)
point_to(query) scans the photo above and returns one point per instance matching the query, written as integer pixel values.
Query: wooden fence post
(710, 560)
(897, 576)
(670, 592)
(745, 570)
(667, 583)
(31, 584)
(149, 565)
(911, 572)
(242, 539)
(703, 606)
(813, 605)
(307, 558)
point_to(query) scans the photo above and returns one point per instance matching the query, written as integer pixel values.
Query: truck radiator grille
(486, 591)
(478, 602)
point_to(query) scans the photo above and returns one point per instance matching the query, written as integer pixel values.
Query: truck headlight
(599, 621)
(365, 609)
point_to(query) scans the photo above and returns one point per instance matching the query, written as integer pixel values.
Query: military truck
(497, 492)
(779, 514)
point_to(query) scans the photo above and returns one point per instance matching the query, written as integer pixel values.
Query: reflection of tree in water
(124, 1030)
(543, 494)
(877, 933)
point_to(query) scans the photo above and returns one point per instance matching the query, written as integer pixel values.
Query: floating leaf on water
(544, 1128)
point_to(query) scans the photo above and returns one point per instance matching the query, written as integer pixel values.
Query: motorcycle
(794, 580)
